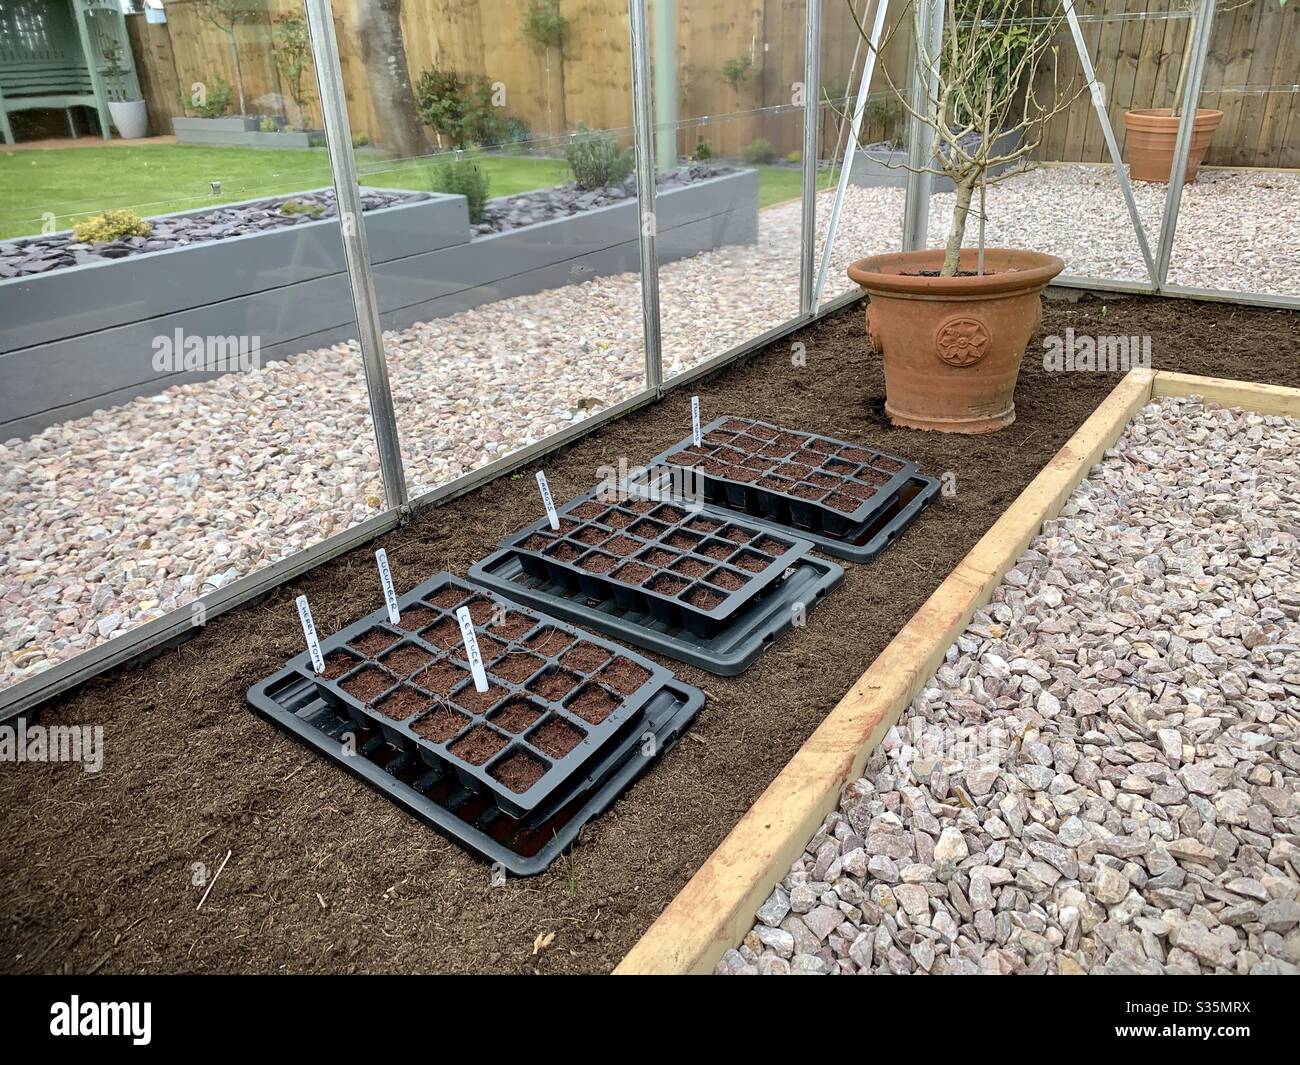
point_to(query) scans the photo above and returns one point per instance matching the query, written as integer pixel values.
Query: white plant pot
(131, 118)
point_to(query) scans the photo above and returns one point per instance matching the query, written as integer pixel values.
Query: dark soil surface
(98, 870)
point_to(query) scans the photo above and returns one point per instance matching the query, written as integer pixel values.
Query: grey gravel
(1147, 820)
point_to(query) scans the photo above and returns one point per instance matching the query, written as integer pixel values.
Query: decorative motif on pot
(873, 333)
(962, 341)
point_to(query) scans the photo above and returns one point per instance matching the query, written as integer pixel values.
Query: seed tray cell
(812, 482)
(526, 846)
(658, 558)
(416, 690)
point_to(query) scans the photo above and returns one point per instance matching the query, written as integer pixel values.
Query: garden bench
(27, 85)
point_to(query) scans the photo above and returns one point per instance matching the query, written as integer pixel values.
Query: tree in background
(227, 16)
(547, 29)
(383, 52)
(291, 53)
(458, 108)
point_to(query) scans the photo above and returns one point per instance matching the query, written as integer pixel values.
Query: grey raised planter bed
(883, 167)
(243, 131)
(82, 338)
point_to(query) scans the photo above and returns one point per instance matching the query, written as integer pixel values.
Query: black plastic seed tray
(862, 543)
(555, 697)
(728, 652)
(663, 558)
(292, 700)
(812, 482)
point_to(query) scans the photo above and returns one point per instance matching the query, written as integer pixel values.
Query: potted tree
(130, 116)
(952, 323)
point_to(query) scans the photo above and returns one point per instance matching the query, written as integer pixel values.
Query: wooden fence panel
(1138, 58)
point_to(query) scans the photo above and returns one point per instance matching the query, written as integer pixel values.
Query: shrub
(596, 161)
(795, 156)
(737, 71)
(544, 25)
(759, 150)
(515, 131)
(464, 177)
(457, 107)
(111, 225)
(297, 207)
(268, 125)
(703, 152)
(360, 140)
(216, 99)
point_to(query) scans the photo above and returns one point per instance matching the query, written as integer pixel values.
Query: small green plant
(596, 161)
(213, 102)
(360, 140)
(268, 125)
(544, 25)
(316, 140)
(737, 71)
(291, 53)
(515, 131)
(293, 208)
(759, 151)
(457, 107)
(464, 177)
(111, 225)
(703, 151)
(795, 156)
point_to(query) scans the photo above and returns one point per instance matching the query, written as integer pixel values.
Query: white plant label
(545, 489)
(309, 630)
(697, 437)
(386, 580)
(472, 654)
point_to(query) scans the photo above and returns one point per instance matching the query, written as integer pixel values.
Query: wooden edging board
(715, 910)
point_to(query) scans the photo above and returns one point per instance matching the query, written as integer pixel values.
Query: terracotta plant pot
(1150, 143)
(952, 345)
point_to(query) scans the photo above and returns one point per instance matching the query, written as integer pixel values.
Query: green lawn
(72, 183)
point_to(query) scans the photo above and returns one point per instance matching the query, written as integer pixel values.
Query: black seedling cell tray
(726, 653)
(556, 696)
(662, 558)
(863, 542)
(292, 700)
(811, 482)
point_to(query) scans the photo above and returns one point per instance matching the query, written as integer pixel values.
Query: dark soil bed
(98, 870)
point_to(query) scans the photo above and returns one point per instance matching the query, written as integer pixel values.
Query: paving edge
(716, 908)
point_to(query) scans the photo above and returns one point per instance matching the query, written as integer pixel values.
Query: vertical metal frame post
(665, 83)
(1183, 144)
(812, 86)
(851, 147)
(920, 147)
(356, 250)
(1108, 132)
(643, 134)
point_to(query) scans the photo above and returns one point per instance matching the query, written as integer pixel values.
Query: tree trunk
(383, 52)
(957, 232)
(239, 71)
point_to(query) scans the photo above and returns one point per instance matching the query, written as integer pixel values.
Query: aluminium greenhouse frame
(138, 642)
